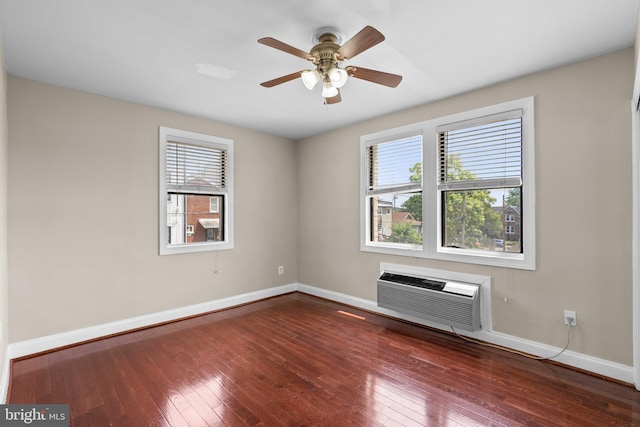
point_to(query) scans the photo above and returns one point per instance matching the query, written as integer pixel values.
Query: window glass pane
(486, 152)
(190, 219)
(395, 164)
(189, 164)
(483, 219)
(396, 218)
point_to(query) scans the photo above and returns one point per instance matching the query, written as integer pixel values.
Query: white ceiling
(148, 51)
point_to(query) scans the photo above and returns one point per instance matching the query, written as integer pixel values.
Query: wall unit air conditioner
(447, 302)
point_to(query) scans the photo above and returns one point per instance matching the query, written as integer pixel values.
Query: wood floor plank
(140, 408)
(111, 403)
(300, 360)
(59, 364)
(159, 358)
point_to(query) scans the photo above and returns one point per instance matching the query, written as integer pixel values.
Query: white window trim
(431, 246)
(189, 229)
(168, 134)
(365, 214)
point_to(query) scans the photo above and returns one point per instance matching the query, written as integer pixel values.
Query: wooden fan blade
(365, 39)
(334, 99)
(277, 44)
(380, 77)
(283, 79)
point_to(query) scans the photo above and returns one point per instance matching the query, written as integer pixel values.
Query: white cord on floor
(486, 344)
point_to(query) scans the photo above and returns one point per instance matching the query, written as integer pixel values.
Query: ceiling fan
(327, 55)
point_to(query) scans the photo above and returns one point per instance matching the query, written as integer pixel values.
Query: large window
(469, 194)
(480, 178)
(196, 192)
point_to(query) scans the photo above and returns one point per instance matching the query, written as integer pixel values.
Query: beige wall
(83, 213)
(636, 46)
(83, 219)
(583, 167)
(4, 279)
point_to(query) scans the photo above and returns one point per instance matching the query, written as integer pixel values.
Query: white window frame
(510, 218)
(167, 134)
(510, 229)
(189, 229)
(367, 141)
(431, 209)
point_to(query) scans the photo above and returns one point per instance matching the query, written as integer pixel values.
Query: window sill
(392, 248)
(195, 247)
(495, 259)
(498, 259)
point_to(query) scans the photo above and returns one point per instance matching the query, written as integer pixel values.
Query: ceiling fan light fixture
(326, 55)
(328, 89)
(338, 77)
(310, 78)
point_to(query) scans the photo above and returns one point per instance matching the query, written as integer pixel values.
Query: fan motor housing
(325, 52)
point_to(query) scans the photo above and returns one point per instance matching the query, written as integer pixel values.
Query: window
(478, 175)
(383, 211)
(196, 192)
(394, 191)
(213, 204)
(480, 169)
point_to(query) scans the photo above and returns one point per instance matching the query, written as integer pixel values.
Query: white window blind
(192, 168)
(388, 165)
(481, 153)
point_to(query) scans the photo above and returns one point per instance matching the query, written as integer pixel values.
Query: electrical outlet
(570, 318)
(281, 270)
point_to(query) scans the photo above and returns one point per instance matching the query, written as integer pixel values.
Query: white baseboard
(37, 345)
(24, 348)
(598, 366)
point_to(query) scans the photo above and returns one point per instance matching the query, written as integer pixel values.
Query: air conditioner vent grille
(443, 307)
(453, 310)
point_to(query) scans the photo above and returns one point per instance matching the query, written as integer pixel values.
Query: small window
(196, 187)
(214, 202)
(510, 218)
(510, 229)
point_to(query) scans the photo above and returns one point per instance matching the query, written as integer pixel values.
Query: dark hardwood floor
(298, 360)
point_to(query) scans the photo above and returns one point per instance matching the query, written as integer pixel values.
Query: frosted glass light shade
(310, 78)
(328, 90)
(338, 77)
